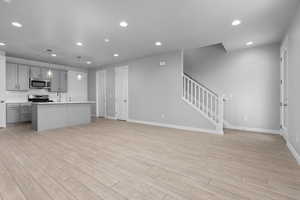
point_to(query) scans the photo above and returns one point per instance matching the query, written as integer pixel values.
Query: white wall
(292, 43)
(78, 92)
(92, 89)
(250, 78)
(155, 92)
(77, 88)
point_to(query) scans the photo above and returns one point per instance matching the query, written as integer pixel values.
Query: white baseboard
(110, 117)
(284, 134)
(177, 127)
(293, 151)
(257, 130)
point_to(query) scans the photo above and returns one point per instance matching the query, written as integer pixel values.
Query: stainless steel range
(39, 98)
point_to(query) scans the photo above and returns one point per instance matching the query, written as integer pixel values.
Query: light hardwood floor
(118, 160)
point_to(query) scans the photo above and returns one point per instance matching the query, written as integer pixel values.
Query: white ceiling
(179, 24)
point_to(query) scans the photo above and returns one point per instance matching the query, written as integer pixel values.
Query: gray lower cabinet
(12, 113)
(25, 113)
(17, 77)
(59, 81)
(46, 116)
(16, 113)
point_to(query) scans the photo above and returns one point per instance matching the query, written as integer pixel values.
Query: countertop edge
(59, 103)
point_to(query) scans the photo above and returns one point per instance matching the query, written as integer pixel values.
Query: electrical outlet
(245, 118)
(162, 116)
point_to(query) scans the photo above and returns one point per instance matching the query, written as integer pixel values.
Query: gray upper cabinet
(59, 81)
(46, 74)
(23, 76)
(55, 81)
(63, 81)
(35, 73)
(11, 76)
(17, 77)
(39, 73)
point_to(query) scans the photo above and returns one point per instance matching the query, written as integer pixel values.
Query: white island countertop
(63, 102)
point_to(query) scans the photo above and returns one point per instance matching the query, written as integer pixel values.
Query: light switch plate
(162, 63)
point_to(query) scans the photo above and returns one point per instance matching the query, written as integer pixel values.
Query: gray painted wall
(110, 92)
(92, 89)
(293, 46)
(155, 92)
(250, 79)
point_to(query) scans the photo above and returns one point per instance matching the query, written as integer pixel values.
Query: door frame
(116, 69)
(3, 89)
(284, 89)
(97, 92)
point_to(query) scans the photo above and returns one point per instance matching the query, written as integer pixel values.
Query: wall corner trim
(257, 130)
(211, 131)
(293, 151)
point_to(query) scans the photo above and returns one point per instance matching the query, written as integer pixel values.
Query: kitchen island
(52, 115)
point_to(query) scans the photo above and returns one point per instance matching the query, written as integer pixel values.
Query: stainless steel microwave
(39, 84)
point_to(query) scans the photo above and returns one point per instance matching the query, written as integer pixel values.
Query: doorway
(121, 92)
(101, 93)
(284, 91)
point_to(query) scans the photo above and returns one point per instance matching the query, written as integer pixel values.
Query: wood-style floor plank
(113, 160)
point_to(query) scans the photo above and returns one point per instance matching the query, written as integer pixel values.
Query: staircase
(204, 100)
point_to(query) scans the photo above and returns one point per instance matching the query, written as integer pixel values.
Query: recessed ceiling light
(53, 55)
(7, 1)
(236, 22)
(116, 55)
(88, 62)
(17, 24)
(106, 40)
(79, 43)
(123, 24)
(2, 44)
(249, 43)
(158, 44)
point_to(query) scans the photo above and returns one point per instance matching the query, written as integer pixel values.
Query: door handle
(125, 100)
(2, 101)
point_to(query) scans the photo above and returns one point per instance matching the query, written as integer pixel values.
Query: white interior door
(2, 91)
(284, 91)
(121, 92)
(101, 93)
